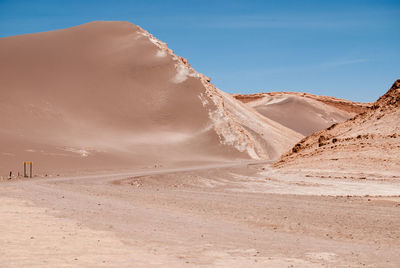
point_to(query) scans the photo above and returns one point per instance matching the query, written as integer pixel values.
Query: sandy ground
(232, 215)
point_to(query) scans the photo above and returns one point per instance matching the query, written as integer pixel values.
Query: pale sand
(32, 237)
(234, 216)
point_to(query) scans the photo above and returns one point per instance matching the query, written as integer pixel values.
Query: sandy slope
(369, 143)
(302, 112)
(108, 95)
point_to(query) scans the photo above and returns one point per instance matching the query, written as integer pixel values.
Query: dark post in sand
(30, 169)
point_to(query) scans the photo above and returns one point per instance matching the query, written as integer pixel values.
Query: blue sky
(348, 49)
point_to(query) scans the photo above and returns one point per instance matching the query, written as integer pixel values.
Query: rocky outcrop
(369, 141)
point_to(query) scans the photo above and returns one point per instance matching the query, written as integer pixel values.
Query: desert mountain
(108, 95)
(369, 142)
(302, 112)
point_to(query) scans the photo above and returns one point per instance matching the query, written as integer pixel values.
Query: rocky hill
(368, 142)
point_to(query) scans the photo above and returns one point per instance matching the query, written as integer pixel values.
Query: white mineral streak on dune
(182, 72)
(161, 53)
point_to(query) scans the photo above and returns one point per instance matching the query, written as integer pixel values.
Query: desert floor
(228, 215)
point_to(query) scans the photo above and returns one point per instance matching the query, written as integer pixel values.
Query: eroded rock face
(391, 99)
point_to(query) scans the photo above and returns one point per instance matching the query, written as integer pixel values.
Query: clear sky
(348, 49)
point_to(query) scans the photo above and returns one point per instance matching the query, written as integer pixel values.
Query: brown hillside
(369, 142)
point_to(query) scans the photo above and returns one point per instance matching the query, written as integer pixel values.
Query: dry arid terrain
(139, 161)
(368, 144)
(242, 215)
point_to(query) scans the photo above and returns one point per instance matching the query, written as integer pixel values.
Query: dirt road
(228, 215)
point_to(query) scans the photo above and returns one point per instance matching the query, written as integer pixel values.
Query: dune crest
(230, 118)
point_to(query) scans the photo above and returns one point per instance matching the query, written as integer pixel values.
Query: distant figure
(9, 177)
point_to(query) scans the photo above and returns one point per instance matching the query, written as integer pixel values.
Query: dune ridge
(302, 112)
(230, 118)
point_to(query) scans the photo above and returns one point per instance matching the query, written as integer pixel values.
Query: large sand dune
(109, 95)
(367, 144)
(302, 112)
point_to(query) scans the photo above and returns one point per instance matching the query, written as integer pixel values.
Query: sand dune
(172, 187)
(302, 112)
(108, 95)
(368, 144)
